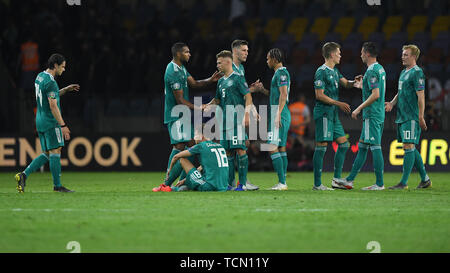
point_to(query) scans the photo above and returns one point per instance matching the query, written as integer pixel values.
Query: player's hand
(277, 121)
(180, 183)
(358, 82)
(388, 106)
(246, 119)
(73, 87)
(65, 132)
(422, 123)
(216, 76)
(344, 107)
(356, 113)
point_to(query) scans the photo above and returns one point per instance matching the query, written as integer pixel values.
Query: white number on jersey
(221, 155)
(38, 94)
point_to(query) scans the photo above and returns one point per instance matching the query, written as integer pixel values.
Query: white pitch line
(65, 210)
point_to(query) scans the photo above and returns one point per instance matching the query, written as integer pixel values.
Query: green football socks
(231, 171)
(359, 161)
(278, 166)
(55, 169)
(319, 153)
(339, 158)
(38, 162)
(285, 163)
(408, 164)
(243, 169)
(378, 164)
(176, 169)
(418, 163)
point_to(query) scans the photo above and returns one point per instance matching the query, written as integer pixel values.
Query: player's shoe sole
(424, 184)
(280, 187)
(373, 188)
(20, 179)
(342, 184)
(322, 188)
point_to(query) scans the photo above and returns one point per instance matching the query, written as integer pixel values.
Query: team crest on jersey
(283, 77)
(421, 81)
(52, 95)
(230, 83)
(373, 79)
(176, 86)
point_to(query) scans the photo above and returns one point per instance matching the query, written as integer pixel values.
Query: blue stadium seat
(305, 75)
(398, 39)
(422, 40)
(353, 43)
(378, 38)
(285, 42)
(139, 107)
(332, 37)
(348, 70)
(116, 107)
(442, 41)
(308, 42)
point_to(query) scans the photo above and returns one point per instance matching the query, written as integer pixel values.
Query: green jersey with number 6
(410, 81)
(375, 77)
(175, 78)
(46, 87)
(213, 159)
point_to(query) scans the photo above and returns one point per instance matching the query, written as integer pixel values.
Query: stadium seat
(321, 26)
(378, 38)
(297, 27)
(250, 26)
(116, 107)
(352, 43)
(273, 28)
(393, 71)
(393, 24)
(422, 40)
(417, 24)
(138, 107)
(368, 25)
(285, 42)
(344, 26)
(204, 27)
(332, 37)
(442, 41)
(397, 40)
(435, 69)
(440, 24)
(298, 56)
(433, 55)
(348, 70)
(389, 55)
(308, 42)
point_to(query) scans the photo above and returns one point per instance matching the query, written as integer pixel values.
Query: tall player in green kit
(328, 126)
(233, 93)
(51, 128)
(280, 117)
(373, 93)
(240, 49)
(213, 175)
(177, 81)
(410, 101)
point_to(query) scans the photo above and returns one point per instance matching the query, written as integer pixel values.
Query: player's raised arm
(72, 87)
(204, 83)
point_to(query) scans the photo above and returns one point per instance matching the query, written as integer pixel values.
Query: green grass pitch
(118, 212)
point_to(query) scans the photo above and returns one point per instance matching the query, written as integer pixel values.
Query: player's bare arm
(178, 94)
(249, 109)
(69, 88)
(206, 82)
(371, 99)
(421, 102)
(351, 83)
(320, 95)
(390, 104)
(57, 114)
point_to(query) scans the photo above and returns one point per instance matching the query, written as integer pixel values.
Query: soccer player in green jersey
(410, 101)
(240, 49)
(279, 125)
(51, 127)
(212, 175)
(177, 81)
(328, 126)
(233, 92)
(373, 92)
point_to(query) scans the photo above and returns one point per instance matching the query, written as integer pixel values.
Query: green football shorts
(51, 139)
(372, 131)
(408, 132)
(179, 134)
(196, 182)
(328, 129)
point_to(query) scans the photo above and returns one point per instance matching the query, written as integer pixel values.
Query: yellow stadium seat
(204, 26)
(393, 24)
(417, 23)
(344, 26)
(273, 28)
(368, 25)
(441, 23)
(250, 25)
(321, 26)
(297, 27)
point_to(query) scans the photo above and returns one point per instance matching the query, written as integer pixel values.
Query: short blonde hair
(414, 50)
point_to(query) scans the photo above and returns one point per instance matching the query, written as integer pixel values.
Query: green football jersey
(328, 80)
(410, 81)
(214, 161)
(280, 78)
(231, 91)
(375, 77)
(240, 70)
(46, 87)
(175, 78)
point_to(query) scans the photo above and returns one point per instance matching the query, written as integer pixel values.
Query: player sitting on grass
(214, 166)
